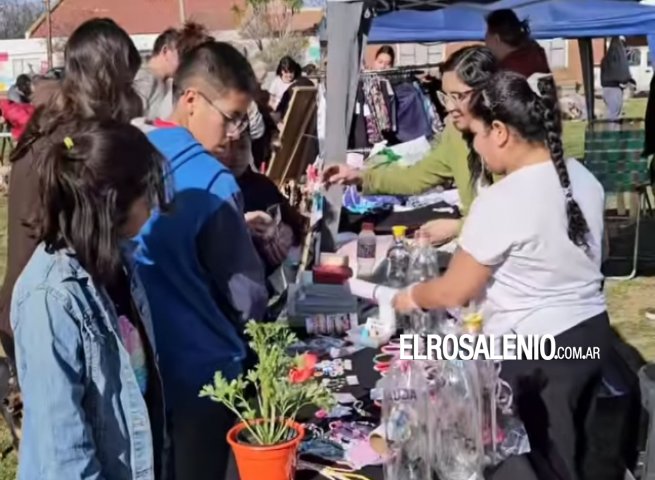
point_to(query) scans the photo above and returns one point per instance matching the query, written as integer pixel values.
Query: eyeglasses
(455, 97)
(235, 124)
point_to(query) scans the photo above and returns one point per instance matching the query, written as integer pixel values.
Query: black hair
(508, 27)
(218, 64)
(100, 64)
(95, 173)
(309, 69)
(168, 38)
(536, 118)
(474, 66)
(387, 50)
(24, 83)
(288, 64)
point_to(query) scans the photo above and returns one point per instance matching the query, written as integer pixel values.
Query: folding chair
(613, 153)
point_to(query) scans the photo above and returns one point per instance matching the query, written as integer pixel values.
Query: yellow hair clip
(68, 141)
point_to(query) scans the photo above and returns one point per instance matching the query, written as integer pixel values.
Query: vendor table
(362, 367)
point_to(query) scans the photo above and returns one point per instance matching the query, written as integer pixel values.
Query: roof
(153, 16)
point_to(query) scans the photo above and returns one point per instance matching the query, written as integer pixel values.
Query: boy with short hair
(197, 261)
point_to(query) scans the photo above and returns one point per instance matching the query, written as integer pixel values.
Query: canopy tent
(349, 23)
(548, 19)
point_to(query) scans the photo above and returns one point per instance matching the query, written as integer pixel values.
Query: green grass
(626, 300)
(574, 130)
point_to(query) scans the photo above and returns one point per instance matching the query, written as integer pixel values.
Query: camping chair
(613, 153)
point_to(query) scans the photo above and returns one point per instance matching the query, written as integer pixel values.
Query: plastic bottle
(366, 246)
(398, 259)
(424, 266)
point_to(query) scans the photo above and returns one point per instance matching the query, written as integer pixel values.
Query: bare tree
(269, 23)
(16, 16)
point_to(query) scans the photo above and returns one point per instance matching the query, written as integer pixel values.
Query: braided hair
(473, 66)
(536, 117)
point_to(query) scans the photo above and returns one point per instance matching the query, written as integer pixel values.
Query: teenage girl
(530, 248)
(86, 361)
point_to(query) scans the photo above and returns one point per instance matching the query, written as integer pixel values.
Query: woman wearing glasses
(452, 159)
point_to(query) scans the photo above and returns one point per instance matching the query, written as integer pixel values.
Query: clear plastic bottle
(366, 247)
(398, 259)
(424, 266)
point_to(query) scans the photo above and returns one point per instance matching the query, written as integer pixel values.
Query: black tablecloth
(363, 368)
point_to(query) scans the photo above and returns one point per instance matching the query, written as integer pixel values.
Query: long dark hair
(508, 27)
(473, 66)
(537, 118)
(101, 62)
(95, 173)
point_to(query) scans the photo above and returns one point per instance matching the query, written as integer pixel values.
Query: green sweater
(448, 160)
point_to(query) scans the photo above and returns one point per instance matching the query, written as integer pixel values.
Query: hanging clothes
(412, 119)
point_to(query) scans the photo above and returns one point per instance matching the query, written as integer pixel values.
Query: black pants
(554, 400)
(199, 429)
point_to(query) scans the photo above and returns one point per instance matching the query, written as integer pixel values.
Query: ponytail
(93, 174)
(578, 229)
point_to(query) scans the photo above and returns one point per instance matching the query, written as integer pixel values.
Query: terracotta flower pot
(277, 461)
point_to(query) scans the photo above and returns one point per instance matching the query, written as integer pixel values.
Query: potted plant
(267, 437)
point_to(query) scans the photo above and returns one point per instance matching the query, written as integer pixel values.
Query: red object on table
(331, 274)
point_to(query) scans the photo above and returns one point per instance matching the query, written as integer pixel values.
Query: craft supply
(392, 349)
(337, 352)
(352, 380)
(334, 260)
(330, 473)
(344, 398)
(384, 358)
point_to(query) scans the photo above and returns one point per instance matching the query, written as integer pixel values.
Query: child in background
(85, 354)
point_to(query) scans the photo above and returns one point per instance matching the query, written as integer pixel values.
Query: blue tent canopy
(548, 19)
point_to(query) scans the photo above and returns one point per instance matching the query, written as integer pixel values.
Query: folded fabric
(354, 202)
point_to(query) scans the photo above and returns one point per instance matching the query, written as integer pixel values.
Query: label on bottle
(366, 250)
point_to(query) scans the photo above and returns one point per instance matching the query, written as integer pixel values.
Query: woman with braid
(530, 253)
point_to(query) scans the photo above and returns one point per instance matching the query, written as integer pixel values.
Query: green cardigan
(448, 160)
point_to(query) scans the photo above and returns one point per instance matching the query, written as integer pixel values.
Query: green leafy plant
(283, 385)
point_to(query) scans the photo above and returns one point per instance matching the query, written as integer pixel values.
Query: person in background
(21, 91)
(85, 354)
(385, 58)
(509, 40)
(101, 62)
(288, 70)
(301, 81)
(199, 266)
(614, 77)
(531, 249)
(154, 80)
(262, 202)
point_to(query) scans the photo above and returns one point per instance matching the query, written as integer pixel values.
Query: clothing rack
(401, 70)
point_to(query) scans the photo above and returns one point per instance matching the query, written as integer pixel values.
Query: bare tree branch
(269, 24)
(17, 16)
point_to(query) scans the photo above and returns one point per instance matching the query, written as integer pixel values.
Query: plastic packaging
(398, 258)
(366, 246)
(404, 410)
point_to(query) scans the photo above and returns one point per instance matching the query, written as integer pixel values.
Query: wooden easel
(290, 159)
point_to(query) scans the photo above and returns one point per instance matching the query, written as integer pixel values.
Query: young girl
(531, 247)
(86, 362)
(288, 70)
(100, 64)
(385, 58)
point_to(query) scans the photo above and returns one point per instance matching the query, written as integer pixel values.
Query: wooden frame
(287, 161)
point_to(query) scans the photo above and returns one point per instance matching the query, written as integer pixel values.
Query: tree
(16, 16)
(269, 24)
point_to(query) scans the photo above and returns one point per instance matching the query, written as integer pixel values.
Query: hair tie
(534, 79)
(568, 193)
(68, 142)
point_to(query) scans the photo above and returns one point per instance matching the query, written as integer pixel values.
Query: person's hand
(403, 302)
(260, 223)
(342, 175)
(442, 230)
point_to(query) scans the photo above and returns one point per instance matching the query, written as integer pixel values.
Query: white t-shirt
(542, 283)
(277, 89)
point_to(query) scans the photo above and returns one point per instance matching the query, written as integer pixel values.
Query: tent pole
(348, 22)
(586, 49)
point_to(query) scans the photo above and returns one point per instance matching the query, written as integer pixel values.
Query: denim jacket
(84, 414)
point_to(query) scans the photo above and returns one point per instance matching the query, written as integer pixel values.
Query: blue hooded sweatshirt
(201, 271)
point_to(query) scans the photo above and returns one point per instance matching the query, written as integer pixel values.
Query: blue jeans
(613, 97)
